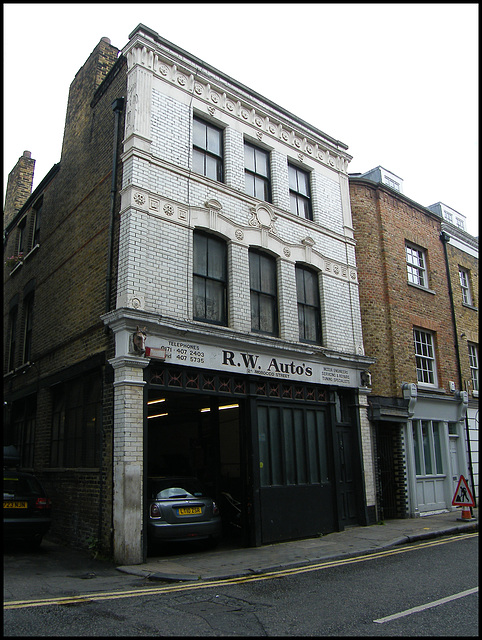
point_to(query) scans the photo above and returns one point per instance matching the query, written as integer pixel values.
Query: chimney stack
(19, 187)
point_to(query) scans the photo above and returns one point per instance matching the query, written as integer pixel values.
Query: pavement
(231, 561)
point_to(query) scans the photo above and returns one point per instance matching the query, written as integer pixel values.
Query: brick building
(57, 382)
(462, 257)
(419, 403)
(205, 260)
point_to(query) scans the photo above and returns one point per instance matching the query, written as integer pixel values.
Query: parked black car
(26, 506)
(180, 510)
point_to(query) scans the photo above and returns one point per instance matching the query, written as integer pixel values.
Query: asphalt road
(423, 589)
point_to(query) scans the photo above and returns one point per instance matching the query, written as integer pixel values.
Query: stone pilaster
(128, 458)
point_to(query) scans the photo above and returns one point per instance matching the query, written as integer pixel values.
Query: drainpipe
(117, 107)
(445, 238)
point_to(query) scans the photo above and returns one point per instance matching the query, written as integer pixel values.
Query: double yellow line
(270, 575)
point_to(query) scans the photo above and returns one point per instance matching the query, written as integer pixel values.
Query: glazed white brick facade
(164, 201)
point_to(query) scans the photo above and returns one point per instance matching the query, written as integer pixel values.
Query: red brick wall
(390, 307)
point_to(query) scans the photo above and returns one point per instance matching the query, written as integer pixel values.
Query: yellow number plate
(14, 505)
(189, 511)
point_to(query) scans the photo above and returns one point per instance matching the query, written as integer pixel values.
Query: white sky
(398, 83)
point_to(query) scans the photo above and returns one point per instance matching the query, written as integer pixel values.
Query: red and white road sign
(462, 496)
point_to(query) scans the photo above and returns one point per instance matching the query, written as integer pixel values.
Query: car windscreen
(171, 488)
(14, 486)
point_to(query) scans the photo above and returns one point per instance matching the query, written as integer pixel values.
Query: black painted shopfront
(289, 452)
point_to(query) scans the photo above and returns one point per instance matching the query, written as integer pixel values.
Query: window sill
(469, 306)
(16, 268)
(32, 250)
(475, 394)
(432, 389)
(417, 286)
(71, 469)
(19, 264)
(21, 369)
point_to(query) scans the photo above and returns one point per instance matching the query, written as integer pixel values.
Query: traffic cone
(466, 515)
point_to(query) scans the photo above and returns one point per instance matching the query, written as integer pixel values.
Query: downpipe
(117, 107)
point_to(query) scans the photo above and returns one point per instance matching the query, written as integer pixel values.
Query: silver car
(180, 510)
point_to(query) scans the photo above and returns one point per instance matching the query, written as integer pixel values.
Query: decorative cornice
(263, 119)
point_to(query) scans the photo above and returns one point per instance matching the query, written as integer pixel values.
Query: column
(128, 455)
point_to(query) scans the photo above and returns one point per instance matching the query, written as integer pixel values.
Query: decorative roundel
(244, 114)
(297, 142)
(164, 70)
(136, 303)
(285, 136)
(139, 198)
(215, 97)
(272, 128)
(309, 149)
(239, 234)
(229, 106)
(168, 209)
(264, 217)
(181, 80)
(258, 121)
(198, 88)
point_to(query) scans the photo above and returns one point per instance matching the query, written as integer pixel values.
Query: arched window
(308, 297)
(210, 279)
(264, 293)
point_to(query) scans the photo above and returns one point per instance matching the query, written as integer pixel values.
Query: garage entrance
(199, 435)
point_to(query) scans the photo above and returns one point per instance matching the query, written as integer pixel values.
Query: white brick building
(244, 300)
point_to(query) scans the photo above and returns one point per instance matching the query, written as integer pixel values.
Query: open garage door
(199, 435)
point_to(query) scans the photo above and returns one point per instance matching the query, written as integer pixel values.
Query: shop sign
(272, 366)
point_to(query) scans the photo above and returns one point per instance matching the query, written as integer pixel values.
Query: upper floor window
(28, 324)
(12, 337)
(209, 279)
(308, 305)
(465, 286)
(257, 172)
(207, 150)
(264, 293)
(416, 265)
(36, 223)
(474, 366)
(392, 183)
(300, 194)
(425, 357)
(21, 236)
